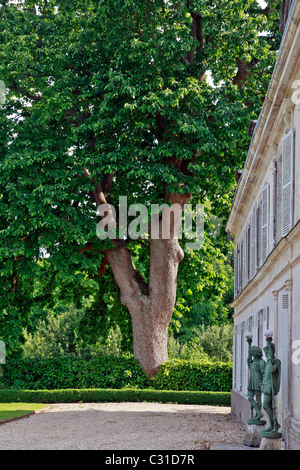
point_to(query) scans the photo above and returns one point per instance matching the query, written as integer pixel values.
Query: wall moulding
(288, 285)
(275, 294)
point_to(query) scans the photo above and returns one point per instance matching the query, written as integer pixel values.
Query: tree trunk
(150, 337)
(150, 306)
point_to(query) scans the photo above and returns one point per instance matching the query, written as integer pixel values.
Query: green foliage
(11, 410)
(188, 375)
(178, 350)
(113, 395)
(213, 341)
(55, 335)
(216, 341)
(205, 282)
(114, 372)
(71, 372)
(207, 312)
(58, 335)
(109, 86)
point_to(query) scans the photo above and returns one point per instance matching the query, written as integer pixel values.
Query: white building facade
(265, 224)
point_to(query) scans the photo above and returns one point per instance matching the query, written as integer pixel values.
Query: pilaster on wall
(275, 317)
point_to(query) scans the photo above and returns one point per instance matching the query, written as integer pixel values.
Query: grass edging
(13, 411)
(8, 420)
(115, 395)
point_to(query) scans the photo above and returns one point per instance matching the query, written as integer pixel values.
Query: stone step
(229, 446)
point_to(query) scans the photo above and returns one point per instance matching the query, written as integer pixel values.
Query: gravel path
(122, 426)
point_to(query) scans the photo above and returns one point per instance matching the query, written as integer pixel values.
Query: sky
(262, 3)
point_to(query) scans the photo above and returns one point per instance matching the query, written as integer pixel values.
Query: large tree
(149, 99)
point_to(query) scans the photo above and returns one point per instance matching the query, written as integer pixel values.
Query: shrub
(177, 350)
(114, 373)
(216, 341)
(73, 372)
(111, 395)
(59, 335)
(188, 375)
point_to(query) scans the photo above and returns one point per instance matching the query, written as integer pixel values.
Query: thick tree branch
(243, 71)
(97, 193)
(196, 33)
(89, 247)
(132, 286)
(14, 284)
(165, 256)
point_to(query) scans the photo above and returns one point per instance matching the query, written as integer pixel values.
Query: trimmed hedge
(186, 375)
(109, 372)
(68, 372)
(107, 395)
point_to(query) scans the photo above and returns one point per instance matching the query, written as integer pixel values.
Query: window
(235, 271)
(240, 268)
(265, 210)
(246, 257)
(274, 197)
(260, 331)
(287, 182)
(279, 200)
(253, 243)
(246, 254)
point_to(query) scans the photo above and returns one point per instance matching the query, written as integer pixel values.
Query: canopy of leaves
(145, 97)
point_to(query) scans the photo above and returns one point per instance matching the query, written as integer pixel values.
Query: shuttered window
(242, 262)
(274, 219)
(265, 209)
(265, 315)
(238, 265)
(235, 271)
(247, 255)
(257, 243)
(240, 285)
(260, 331)
(253, 243)
(287, 182)
(252, 231)
(244, 258)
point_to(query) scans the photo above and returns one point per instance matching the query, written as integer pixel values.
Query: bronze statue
(270, 388)
(257, 368)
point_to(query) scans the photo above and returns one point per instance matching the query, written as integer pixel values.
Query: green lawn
(15, 410)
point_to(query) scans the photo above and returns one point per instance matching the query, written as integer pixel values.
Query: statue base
(256, 421)
(271, 434)
(271, 443)
(252, 436)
